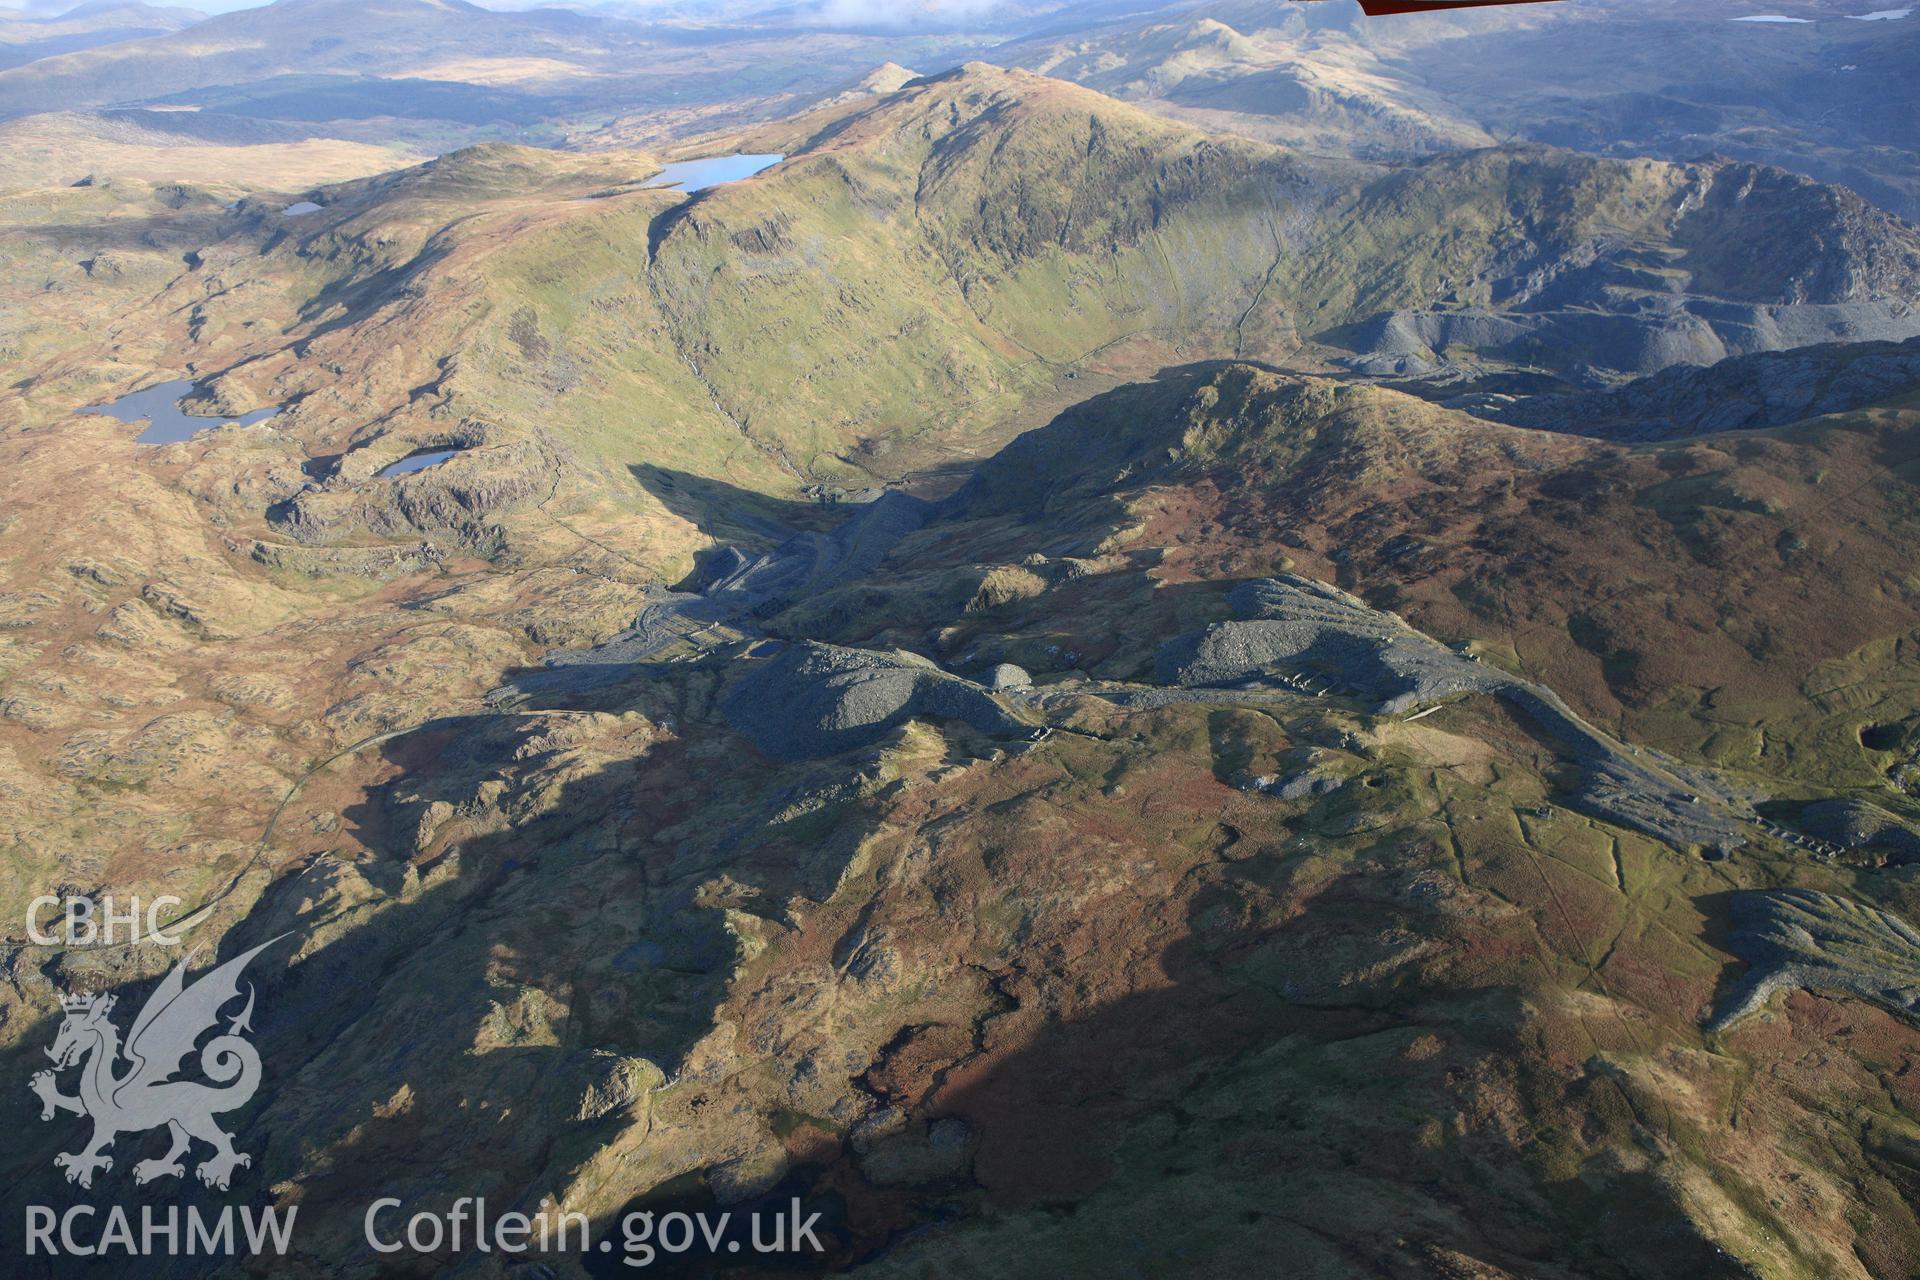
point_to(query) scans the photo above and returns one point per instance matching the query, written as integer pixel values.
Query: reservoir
(416, 462)
(697, 175)
(159, 407)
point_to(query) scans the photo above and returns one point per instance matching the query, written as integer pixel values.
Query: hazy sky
(228, 6)
(835, 10)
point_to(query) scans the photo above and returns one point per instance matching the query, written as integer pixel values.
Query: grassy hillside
(1743, 599)
(929, 271)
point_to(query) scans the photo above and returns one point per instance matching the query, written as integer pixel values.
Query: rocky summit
(1035, 640)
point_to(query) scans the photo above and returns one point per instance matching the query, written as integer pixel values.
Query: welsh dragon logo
(144, 1095)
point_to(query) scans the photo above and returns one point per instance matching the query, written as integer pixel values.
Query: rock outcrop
(1299, 624)
(1003, 676)
(1856, 824)
(818, 699)
(1799, 938)
(1667, 333)
(1295, 629)
(1766, 390)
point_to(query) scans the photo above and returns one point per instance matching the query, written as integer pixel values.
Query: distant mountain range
(26, 37)
(1825, 94)
(1829, 96)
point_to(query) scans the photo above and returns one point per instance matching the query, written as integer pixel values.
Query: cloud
(850, 13)
(893, 13)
